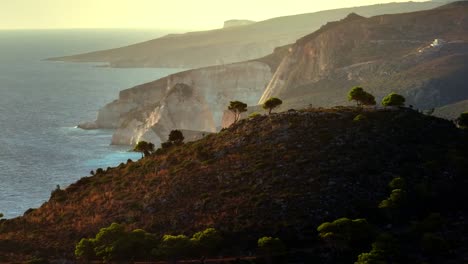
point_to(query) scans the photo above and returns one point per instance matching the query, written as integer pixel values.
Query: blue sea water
(41, 102)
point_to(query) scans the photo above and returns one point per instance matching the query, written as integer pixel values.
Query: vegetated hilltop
(281, 175)
(421, 55)
(231, 44)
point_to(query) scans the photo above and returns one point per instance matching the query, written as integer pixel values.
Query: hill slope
(274, 175)
(452, 111)
(383, 54)
(232, 44)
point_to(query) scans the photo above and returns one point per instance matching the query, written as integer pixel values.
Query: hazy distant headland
(232, 44)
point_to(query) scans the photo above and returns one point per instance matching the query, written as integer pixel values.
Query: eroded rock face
(181, 108)
(390, 53)
(192, 100)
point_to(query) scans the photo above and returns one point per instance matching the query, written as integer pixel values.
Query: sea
(41, 103)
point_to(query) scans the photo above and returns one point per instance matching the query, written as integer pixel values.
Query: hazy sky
(161, 14)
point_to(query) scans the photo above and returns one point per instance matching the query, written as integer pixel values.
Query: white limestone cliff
(192, 100)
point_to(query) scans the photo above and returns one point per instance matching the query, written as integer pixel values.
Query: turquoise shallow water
(41, 102)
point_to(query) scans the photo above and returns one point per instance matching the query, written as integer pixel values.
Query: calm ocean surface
(41, 102)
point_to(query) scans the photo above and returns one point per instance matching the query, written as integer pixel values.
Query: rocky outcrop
(190, 100)
(420, 55)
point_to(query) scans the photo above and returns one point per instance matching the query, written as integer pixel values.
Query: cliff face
(420, 55)
(191, 100)
(231, 44)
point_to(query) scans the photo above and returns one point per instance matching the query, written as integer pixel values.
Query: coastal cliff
(190, 100)
(421, 55)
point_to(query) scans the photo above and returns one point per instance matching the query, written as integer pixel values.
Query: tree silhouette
(176, 137)
(237, 107)
(360, 96)
(271, 104)
(146, 148)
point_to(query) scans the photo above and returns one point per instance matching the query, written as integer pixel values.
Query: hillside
(421, 55)
(278, 175)
(231, 44)
(452, 111)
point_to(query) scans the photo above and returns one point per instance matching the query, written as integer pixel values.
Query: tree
(237, 108)
(144, 147)
(85, 249)
(108, 242)
(395, 200)
(368, 99)
(270, 247)
(207, 242)
(1, 215)
(393, 99)
(360, 96)
(271, 104)
(113, 243)
(397, 183)
(462, 120)
(384, 250)
(176, 137)
(343, 233)
(173, 247)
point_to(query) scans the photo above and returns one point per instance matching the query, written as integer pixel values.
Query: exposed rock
(190, 100)
(88, 125)
(421, 55)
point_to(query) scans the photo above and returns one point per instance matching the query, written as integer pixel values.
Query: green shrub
(271, 246)
(393, 99)
(344, 232)
(207, 242)
(173, 247)
(85, 249)
(359, 118)
(113, 243)
(395, 200)
(384, 248)
(397, 183)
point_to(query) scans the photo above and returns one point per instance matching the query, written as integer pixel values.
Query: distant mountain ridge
(232, 44)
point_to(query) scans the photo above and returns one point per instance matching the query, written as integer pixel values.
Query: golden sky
(170, 14)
